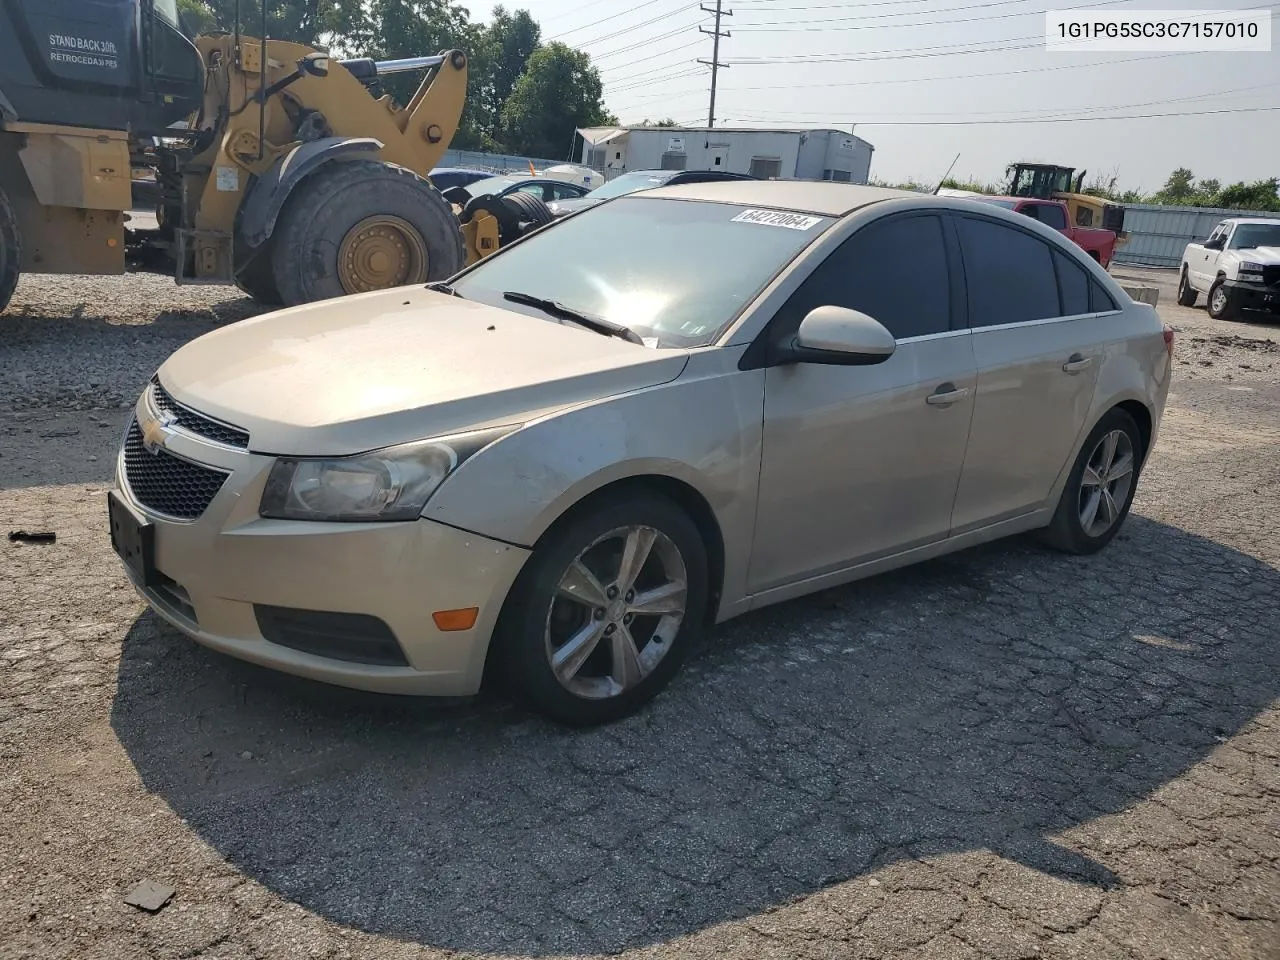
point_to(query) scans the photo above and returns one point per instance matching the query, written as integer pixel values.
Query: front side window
(677, 272)
(894, 270)
(1009, 274)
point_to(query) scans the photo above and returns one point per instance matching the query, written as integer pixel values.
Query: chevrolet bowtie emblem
(155, 432)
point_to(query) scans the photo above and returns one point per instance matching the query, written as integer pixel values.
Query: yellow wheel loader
(1046, 181)
(268, 165)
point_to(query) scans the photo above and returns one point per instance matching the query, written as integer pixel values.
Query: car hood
(1260, 254)
(366, 371)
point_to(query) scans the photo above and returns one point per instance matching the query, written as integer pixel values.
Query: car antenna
(945, 175)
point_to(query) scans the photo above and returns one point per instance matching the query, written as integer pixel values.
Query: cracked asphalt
(1006, 753)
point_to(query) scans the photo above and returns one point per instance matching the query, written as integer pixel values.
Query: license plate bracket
(133, 541)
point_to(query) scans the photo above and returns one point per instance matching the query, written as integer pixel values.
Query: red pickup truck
(1098, 243)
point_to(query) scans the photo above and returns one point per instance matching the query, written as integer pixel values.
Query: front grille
(167, 484)
(197, 423)
(1271, 275)
(353, 637)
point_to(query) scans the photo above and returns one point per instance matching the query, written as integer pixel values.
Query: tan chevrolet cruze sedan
(668, 410)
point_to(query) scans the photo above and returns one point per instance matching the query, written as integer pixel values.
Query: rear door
(1037, 341)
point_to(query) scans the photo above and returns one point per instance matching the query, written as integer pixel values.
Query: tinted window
(894, 270)
(1073, 282)
(1009, 274)
(1099, 300)
(1052, 216)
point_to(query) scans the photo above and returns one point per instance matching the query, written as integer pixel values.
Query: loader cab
(1041, 180)
(105, 64)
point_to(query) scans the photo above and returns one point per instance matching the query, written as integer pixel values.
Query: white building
(786, 154)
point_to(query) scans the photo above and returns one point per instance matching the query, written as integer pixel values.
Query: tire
(1067, 531)
(537, 619)
(1222, 307)
(257, 279)
(529, 209)
(322, 211)
(1186, 293)
(10, 251)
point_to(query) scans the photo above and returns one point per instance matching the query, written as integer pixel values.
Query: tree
(1178, 189)
(1259, 195)
(658, 123)
(558, 92)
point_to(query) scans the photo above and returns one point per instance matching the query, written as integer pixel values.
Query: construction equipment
(1046, 181)
(270, 166)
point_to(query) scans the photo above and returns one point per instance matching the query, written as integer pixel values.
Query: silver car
(651, 417)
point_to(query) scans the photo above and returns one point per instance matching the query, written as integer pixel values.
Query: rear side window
(894, 270)
(1099, 300)
(1009, 274)
(1073, 283)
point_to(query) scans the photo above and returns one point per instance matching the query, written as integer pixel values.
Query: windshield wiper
(441, 287)
(555, 308)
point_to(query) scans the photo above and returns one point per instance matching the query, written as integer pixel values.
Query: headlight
(1251, 271)
(390, 484)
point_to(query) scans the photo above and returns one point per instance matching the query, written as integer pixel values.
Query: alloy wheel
(1106, 482)
(616, 611)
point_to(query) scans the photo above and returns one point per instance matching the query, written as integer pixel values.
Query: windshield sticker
(778, 218)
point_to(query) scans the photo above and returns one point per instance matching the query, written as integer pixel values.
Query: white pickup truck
(1238, 266)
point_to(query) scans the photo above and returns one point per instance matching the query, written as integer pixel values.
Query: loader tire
(361, 225)
(529, 208)
(10, 251)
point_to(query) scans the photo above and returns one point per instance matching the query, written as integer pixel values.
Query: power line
(1001, 122)
(812, 26)
(648, 41)
(631, 63)
(632, 9)
(634, 26)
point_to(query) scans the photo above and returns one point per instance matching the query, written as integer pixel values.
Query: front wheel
(1186, 292)
(605, 611)
(10, 251)
(1100, 488)
(361, 225)
(1222, 303)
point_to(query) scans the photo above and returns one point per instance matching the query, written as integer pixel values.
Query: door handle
(946, 395)
(1075, 363)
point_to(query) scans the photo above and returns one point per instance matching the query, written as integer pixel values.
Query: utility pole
(714, 63)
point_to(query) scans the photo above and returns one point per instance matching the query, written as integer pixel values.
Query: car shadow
(990, 700)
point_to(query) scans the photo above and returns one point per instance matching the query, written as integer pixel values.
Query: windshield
(677, 272)
(1249, 235)
(167, 10)
(489, 185)
(628, 183)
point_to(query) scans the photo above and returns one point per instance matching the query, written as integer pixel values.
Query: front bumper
(1254, 296)
(218, 568)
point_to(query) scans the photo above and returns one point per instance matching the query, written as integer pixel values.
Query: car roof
(1267, 220)
(460, 170)
(824, 197)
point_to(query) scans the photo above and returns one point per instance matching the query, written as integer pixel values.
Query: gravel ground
(1006, 753)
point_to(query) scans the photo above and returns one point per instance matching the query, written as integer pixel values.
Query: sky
(925, 80)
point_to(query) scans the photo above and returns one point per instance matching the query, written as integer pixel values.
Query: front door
(1038, 349)
(1203, 266)
(863, 462)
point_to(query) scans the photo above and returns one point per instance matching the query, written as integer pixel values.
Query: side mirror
(840, 337)
(1214, 244)
(314, 65)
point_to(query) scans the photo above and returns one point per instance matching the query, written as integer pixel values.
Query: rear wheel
(10, 250)
(605, 610)
(362, 225)
(1222, 303)
(1100, 488)
(1186, 293)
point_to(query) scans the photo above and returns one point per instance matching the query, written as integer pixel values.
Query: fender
(266, 198)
